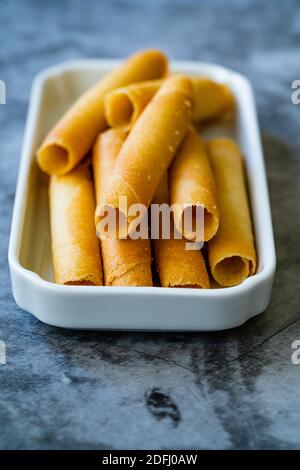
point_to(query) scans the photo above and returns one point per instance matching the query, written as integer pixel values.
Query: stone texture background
(236, 389)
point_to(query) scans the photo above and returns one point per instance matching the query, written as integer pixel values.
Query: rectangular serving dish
(132, 308)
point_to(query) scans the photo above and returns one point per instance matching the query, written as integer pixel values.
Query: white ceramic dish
(136, 308)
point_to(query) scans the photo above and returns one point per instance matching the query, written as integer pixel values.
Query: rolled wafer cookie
(125, 262)
(192, 185)
(177, 266)
(124, 105)
(231, 253)
(75, 246)
(74, 134)
(148, 151)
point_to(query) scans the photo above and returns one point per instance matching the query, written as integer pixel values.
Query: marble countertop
(235, 389)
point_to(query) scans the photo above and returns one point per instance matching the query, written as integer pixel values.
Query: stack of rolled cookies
(133, 136)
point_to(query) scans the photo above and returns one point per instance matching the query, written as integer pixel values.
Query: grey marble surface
(235, 389)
